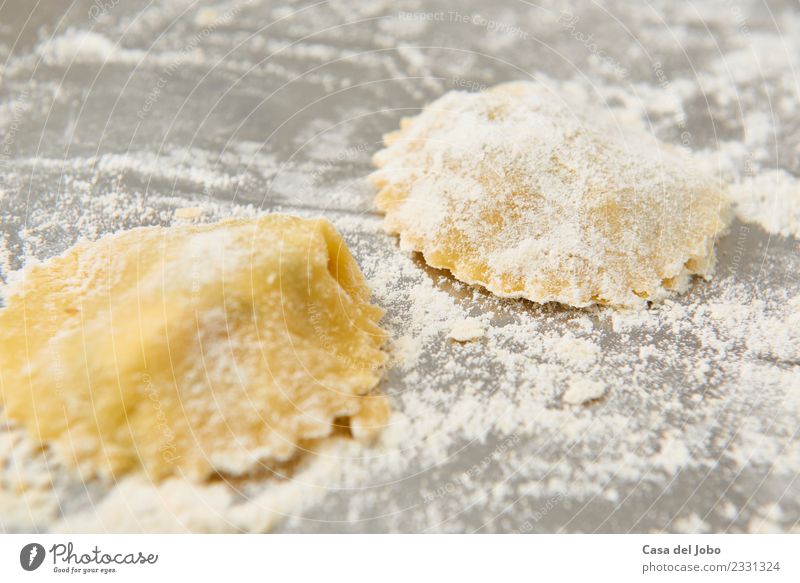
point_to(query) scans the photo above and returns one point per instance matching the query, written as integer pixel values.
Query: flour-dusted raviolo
(515, 190)
(194, 349)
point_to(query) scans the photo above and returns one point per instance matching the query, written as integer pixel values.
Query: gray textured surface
(245, 118)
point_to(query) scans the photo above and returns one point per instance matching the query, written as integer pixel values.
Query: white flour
(583, 391)
(466, 330)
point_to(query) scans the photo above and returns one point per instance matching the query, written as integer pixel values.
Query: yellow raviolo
(193, 350)
(518, 191)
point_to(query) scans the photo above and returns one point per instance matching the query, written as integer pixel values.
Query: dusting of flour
(681, 417)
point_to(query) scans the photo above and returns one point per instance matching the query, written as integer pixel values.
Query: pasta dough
(193, 350)
(515, 190)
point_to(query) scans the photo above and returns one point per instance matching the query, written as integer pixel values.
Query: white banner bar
(389, 558)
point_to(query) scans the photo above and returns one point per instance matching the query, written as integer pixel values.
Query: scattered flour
(583, 391)
(771, 199)
(188, 212)
(697, 395)
(78, 46)
(466, 330)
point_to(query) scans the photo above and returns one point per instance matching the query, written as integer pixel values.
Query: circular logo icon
(31, 556)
